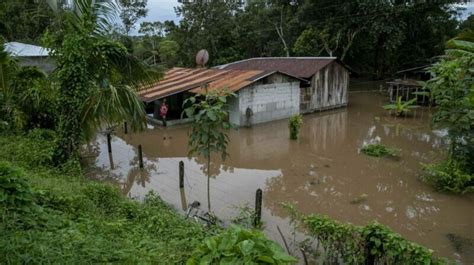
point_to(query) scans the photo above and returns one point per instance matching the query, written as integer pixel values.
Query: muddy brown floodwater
(323, 172)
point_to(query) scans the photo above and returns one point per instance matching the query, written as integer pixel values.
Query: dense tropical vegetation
(452, 88)
(51, 214)
(374, 37)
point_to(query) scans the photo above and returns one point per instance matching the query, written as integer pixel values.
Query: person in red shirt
(163, 111)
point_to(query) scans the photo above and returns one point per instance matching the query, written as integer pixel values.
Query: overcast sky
(161, 10)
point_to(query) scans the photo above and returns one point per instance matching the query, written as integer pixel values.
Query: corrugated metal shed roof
(303, 67)
(178, 80)
(26, 50)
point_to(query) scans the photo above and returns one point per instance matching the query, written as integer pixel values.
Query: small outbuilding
(31, 55)
(324, 84)
(262, 96)
(409, 86)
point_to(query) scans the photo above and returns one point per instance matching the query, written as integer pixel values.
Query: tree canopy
(375, 37)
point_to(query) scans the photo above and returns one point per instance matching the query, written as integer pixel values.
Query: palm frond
(131, 71)
(458, 53)
(111, 106)
(98, 14)
(461, 44)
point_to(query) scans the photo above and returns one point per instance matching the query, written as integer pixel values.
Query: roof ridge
(222, 66)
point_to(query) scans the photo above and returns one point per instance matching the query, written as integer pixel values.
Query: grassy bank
(54, 215)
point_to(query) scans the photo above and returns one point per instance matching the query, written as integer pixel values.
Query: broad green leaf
(246, 247)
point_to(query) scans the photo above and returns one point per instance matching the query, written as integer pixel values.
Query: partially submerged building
(268, 88)
(325, 79)
(409, 86)
(262, 96)
(31, 55)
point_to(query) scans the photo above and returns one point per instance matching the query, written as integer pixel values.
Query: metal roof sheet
(303, 67)
(26, 50)
(177, 80)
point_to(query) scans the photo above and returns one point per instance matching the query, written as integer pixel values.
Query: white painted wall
(268, 102)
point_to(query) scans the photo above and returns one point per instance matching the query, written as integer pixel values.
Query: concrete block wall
(234, 113)
(268, 102)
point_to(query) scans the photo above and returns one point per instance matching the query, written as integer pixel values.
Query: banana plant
(401, 107)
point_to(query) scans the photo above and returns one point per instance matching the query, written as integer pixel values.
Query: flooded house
(262, 95)
(325, 79)
(268, 88)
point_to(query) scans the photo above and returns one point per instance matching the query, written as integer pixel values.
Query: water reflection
(322, 172)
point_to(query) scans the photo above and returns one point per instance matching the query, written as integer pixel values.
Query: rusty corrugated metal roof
(178, 80)
(303, 67)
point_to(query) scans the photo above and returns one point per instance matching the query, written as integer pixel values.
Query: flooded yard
(323, 172)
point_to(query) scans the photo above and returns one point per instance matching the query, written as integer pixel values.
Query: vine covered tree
(96, 75)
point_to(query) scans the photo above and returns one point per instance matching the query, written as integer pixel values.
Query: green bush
(350, 244)
(386, 247)
(15, 193)
(294, 125)
(33, 150)
(379, 150)
(239, 246)
(449, 176)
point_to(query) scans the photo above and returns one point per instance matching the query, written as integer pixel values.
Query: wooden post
(184, 205)
(181, 174)
(258, 208)
(109, 144)
(140, 156)
(111, 160)
(398, 88)
(125, 127)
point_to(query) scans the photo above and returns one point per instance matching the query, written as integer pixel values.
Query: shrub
(36, 149)
(379, 150)
(349, 244)
(15, 193)
(449, 176)
(239, 246)
(294, 125)
(383, 246)
(106, 198)
(452, 90)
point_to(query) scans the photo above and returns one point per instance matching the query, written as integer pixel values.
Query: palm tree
(97, 76)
